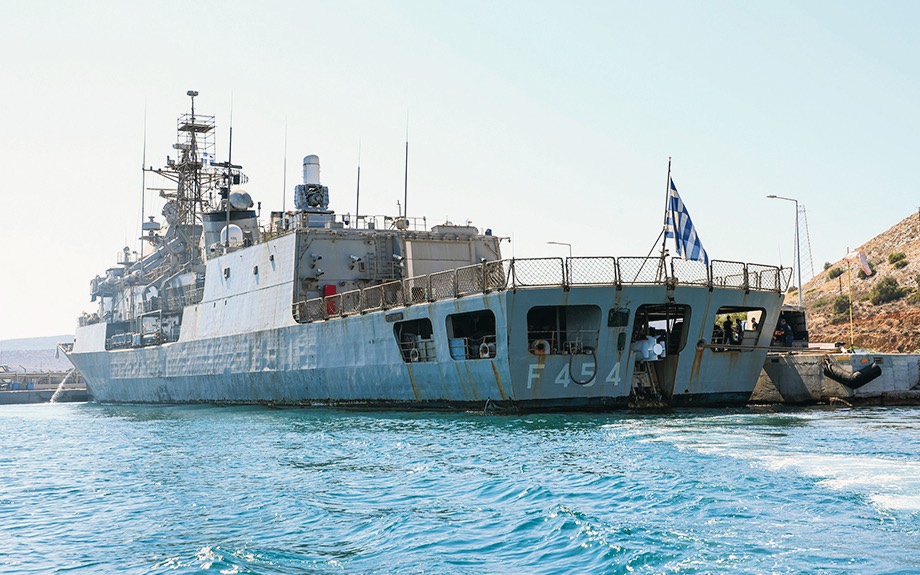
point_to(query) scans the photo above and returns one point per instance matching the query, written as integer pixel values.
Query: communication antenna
(406, 174)
(229, 172)
(229, 179)
(284, 176)
(807, 254)
(358, 191)
(140, 242)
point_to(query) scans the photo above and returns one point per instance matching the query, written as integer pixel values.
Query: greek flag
(678, 226)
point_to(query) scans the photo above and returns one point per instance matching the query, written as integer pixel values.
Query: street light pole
(798, 253)
(563, 244)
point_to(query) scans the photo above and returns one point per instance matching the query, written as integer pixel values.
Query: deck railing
(528, 273)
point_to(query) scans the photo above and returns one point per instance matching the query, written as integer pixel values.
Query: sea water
(86, 488)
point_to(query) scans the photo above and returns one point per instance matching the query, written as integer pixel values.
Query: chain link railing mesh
(373, 298)
(416, 290)
(299, 311)
(442, 285)
(351, 302)
(592, 271)
(498, 274)
(763, 278)
(333, 305)
(538, 272)
(393, 294)
(728, 274)
(692, 272)
(314, 310)
(640, 270)
(469, 280)
(785, 279)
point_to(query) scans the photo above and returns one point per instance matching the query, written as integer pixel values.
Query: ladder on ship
(645, 390)
(381, 266)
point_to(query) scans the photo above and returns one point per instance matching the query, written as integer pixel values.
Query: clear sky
(545, 121)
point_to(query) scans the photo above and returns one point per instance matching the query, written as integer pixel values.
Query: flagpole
(664, 224)
(667, 201)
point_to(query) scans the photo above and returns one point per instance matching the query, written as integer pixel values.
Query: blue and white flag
(678, 226)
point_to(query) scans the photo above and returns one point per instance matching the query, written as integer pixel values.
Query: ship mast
(195, 147)
(189, 166)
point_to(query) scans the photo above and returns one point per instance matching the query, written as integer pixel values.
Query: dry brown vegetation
(893, 326)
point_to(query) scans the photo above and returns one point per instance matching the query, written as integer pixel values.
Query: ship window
(618, 317)
(563, 329)
(471, 335)
(665, 322)
(738, 325)
(415, 339)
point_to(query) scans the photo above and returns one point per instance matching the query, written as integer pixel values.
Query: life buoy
(484, 351)
(540, 347)
(413, 354)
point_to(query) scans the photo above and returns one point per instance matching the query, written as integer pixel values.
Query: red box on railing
(329, 291)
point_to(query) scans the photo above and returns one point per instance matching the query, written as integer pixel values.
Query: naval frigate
(320, 308)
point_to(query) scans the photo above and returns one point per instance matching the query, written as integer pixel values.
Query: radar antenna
(192, 173)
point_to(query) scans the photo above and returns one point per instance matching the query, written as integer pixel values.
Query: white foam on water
(897, 502)
(889, 484)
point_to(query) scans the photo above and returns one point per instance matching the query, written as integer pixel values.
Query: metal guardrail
(175, 302)
(291, 222)
(543, 272)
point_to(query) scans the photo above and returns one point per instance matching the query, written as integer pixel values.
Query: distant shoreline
(33, 343)
(34, 353)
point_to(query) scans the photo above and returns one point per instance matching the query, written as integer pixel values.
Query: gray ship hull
(356, 360)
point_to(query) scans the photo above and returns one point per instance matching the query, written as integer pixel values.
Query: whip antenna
(406, 174)
(358, 191)
(143, 183)
(284, 173)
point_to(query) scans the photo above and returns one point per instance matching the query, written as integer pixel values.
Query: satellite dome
(240, 199)
(235, 234)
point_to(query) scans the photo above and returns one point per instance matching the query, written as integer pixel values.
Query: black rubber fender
(855, 379)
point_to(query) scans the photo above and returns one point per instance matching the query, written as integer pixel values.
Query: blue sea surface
(86, 488)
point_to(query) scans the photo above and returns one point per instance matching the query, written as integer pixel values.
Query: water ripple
(248, 490)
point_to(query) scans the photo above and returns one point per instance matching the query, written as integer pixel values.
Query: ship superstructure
(316, 307)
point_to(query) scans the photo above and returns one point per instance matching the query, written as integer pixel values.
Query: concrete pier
(10, 397)
(18, 387)
(798, 378)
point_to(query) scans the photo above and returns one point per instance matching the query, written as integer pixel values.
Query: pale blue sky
(545, 121)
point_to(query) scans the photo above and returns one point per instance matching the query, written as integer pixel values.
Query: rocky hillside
(886, 305)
